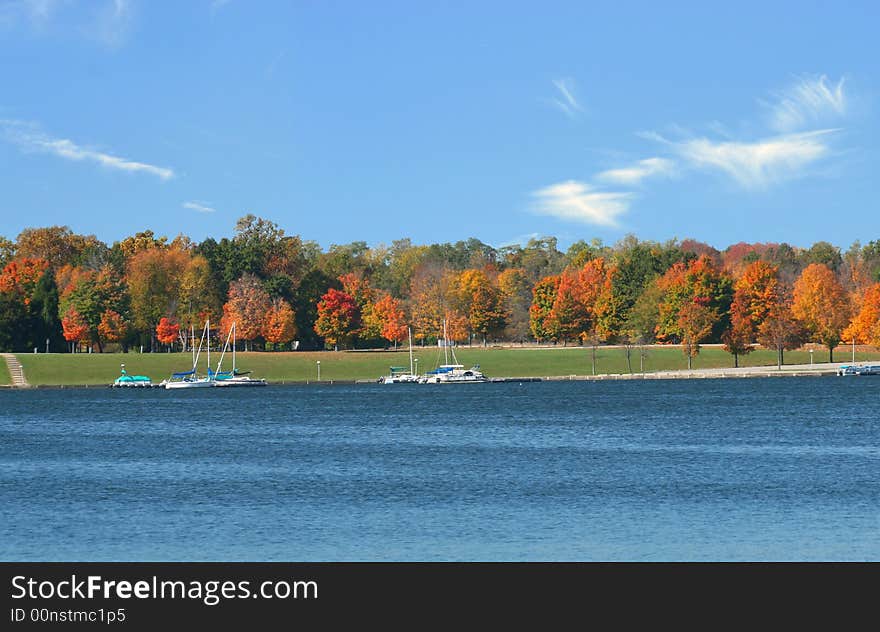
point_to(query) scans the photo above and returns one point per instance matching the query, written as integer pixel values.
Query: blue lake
(735, 469)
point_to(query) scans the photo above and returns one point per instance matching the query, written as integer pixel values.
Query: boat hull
(239, 382)
(197, 384)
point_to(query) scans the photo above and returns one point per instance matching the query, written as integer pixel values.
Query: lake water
(735, 469)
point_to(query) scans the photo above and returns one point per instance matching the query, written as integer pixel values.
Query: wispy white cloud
(577, 201)
(758, 164)
(201, 207)
(566, 101)
(634, 174)
(30, 138)
(808, 101)
(107, 22)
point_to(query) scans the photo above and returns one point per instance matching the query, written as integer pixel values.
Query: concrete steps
(16, 372)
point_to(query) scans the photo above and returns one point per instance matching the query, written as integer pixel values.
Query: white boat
(233, 377)
(190, 379)
(399, 374)
(453, 373)
(859, 369)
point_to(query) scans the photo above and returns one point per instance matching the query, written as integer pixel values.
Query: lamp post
(319, 370)
(811, 357)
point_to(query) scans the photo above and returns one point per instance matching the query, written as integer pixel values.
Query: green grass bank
(5, 379)
(102, 369)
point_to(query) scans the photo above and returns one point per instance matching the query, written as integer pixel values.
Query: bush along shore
(100, 369)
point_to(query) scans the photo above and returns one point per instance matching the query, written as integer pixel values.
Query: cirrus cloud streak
(576, 201)
(29, 138)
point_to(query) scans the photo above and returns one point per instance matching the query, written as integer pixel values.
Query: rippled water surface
(737, 469)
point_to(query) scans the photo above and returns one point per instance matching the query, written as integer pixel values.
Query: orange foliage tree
(113, 327)
(167, 331)
(821, 304)
(74, 327)
(280, 324)
(755, 294)
(391, 320)
(358, 287)
(20, 276)
(865, 325)
(695, 322)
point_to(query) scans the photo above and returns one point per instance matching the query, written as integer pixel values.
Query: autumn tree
(865, 325)
(543, 298)
(820, 303)
(516, 297)
(681, 284)
(780, 330)
(695, 322)
(479, 300)
(755, 294)
(338, 318)
(390, 318)
(20, 276)
(75, 328)
(92, 293)
(154, 282)
(357, 286)
(113, 327)
(568, 318)
(279, 326)
(429, 302)
(197, 298)
(167, 331)
(247, 305)
(58, 245)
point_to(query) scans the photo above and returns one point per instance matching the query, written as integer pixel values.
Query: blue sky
(440, 121)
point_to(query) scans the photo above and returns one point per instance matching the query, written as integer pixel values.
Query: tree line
(63, 291)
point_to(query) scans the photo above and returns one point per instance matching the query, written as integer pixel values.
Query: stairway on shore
(16, 372)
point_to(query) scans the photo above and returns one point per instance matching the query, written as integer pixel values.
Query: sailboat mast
(445, 344)
(233, 348)
(409, 334)
(208, 330)
(192, 343)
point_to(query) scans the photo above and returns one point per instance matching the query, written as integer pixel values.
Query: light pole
(319, 370)
(811, 357)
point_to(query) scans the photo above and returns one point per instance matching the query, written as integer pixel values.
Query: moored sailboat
(233, 377)
(398, 374)
(453, 373)
(190, 379)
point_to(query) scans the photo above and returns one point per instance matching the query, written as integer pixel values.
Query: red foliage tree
(167, 331)
(74, 327)
(338, 318)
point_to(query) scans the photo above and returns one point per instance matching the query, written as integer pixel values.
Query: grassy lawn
(4, 373)
(95, 369)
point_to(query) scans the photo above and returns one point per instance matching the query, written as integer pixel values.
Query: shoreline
(795, 370)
